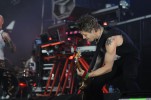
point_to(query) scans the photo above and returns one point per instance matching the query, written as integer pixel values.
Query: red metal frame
(69, 72)
(49, 79)
(62, 75)
(55, 77)
(64, 79)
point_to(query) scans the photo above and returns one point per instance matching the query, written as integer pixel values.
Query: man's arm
(9, 42)
(108, 60)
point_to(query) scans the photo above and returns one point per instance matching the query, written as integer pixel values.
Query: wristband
(84, 74)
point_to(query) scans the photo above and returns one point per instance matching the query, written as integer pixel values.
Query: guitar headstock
(77, 56)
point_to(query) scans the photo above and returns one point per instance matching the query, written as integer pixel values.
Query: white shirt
(2, 45)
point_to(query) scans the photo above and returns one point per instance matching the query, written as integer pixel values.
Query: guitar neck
(78, 66)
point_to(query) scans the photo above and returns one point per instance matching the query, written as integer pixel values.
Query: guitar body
(84, 84)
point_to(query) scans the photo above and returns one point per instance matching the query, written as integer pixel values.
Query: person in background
(115, 56)
(5, 40)
(30, 65)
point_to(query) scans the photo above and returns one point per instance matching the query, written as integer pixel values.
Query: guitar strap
(100, 49)
(96, 54)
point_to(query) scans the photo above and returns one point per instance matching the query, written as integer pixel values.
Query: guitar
(84, 82)
(76, 60)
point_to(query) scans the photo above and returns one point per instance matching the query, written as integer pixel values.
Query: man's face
(89, 36)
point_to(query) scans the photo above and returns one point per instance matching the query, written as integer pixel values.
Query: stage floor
(109, 96)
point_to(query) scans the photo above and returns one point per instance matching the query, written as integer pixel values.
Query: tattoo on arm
(109, 41)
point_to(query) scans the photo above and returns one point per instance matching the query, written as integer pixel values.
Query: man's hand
(80, 72)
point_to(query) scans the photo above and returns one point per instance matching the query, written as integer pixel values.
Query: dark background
(29, 24)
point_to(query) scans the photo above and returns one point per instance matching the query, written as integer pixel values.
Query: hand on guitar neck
(79, 69)
(81, 72)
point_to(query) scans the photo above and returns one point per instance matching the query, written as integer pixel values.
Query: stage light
(124, 4)
(75, 32)
(66, 33)
(69, 39)
(71, 32)
(105, 23)
(34, 84)
(49, 38)
(22, 85)
(62, 9)
(72, 9)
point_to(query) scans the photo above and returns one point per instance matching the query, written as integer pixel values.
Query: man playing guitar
(115, 56)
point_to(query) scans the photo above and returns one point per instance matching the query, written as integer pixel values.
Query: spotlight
(22, 84)
(105, 23)
(69, 39)
(71, 32)
(75, 32)
(62, 8)
(124, 4)
(49, 38)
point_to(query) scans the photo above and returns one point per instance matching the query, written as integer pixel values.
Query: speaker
(62, 9)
